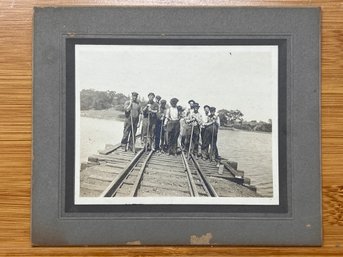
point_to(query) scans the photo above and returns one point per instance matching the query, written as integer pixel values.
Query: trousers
(209, 140)
(127, 133)
(173, 130)
(148, 132)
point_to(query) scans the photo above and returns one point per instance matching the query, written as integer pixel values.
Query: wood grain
(16, 126)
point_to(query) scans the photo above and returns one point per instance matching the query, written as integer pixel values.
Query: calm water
(252, 151)
(96, 133)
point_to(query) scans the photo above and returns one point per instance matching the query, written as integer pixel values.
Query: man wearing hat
(172, 121)
(206, 109)
(210, 136)
(132, 120)
(159, 130)
(194, 120)
(149, 122)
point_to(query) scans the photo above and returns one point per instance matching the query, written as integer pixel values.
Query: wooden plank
(122, 154)
(106, 168)
(94, 187)
(176, 165)
(166, 160)
(111, 158)
(115, 166)
(166, 179)
(164, 187)
(235, 173)
(102, 178)
(163, 167)
(166, 172)
(110, 150)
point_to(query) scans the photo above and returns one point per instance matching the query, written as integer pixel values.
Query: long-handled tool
(212, 143)
(133, 134)
(160, 141)
(190, 143)
(147, 134)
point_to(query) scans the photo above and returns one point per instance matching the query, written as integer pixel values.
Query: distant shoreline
(239, 129)
(106, 114)
(113, 114)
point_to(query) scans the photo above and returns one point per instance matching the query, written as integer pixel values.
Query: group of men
(171, 128)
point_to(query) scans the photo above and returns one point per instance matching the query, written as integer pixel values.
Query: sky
(227, 77)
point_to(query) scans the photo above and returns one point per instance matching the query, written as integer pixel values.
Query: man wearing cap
(159, 130)
(149, 121)
(206, 111)
(172, 121)
(132, 109)
(190, 109)
(194, 120)
(210, 135)
(158, 99)
(185, 130)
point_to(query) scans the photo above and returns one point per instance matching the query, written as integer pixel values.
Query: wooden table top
(16, 135)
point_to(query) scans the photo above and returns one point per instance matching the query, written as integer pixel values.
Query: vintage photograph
(176, 124)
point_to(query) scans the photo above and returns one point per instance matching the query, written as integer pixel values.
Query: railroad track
(114, 172)
(153, 173)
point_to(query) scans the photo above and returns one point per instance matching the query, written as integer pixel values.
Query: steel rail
(115, 184)
(193, 190)
(207, 184)
(133, 192)
(188, 182)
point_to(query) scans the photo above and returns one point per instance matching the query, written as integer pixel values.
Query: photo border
(54, 222)
(282, 204)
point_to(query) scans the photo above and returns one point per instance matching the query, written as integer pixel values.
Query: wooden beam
(110, 150)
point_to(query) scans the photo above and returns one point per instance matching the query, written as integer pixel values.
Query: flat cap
(134, 93)
(174, 100)
(151, 94)
(212, 109)
(158, 97)
(180, 108)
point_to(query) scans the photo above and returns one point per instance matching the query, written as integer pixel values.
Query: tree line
(91, 99)
(234, 119)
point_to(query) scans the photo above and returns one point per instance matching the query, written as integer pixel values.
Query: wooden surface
(15, 134)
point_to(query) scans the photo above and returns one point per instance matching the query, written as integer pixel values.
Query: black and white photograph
(176, 124)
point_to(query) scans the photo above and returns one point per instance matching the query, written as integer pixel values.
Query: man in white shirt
(159, 130)
(210, 136)
(194, 119)
(207, 112)
(172, 121)
(149, 113)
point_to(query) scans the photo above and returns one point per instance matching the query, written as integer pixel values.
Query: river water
(252, 150)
